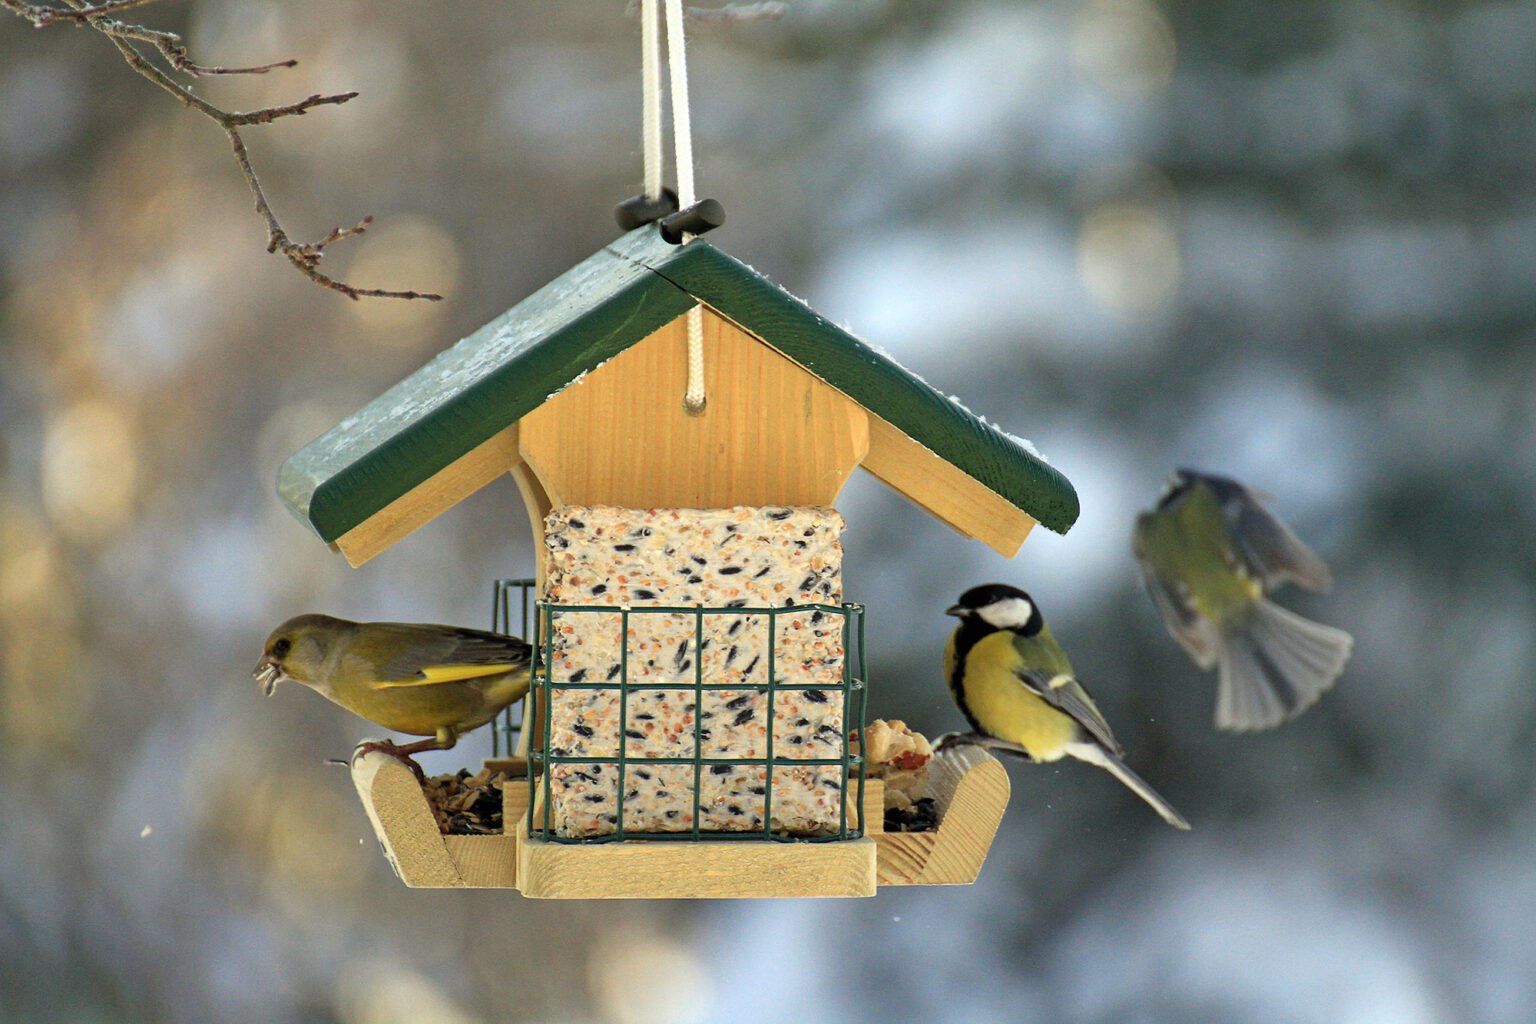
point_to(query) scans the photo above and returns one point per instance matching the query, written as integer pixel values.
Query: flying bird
(1210, 552)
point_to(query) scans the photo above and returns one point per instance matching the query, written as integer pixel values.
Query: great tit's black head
(999, 606)
(1183, 479)
(1179, 482)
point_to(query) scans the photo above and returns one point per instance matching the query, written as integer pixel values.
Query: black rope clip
(641, 209)
(704, 215)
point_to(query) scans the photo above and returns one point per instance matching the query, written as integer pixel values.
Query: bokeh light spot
(1128, 256)
(90, 469)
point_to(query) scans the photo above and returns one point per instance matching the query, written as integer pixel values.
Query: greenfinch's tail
(1273, 665)
(1093, 753)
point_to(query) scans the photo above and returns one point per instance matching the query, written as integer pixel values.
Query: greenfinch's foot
(399, 753)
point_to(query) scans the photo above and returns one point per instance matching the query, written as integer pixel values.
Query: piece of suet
(425, 680)
(1015, 686)
(1210, 552)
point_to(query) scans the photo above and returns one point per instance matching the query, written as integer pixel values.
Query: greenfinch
(1014, 684)
(425, 680)
(1209, 553)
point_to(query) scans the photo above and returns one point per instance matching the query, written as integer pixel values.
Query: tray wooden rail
(969, 786)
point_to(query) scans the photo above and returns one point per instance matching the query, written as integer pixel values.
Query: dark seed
(761, 572)
(734, 809)
(601, 588)
(779, 514)
(736, 703)
(699, 559)
(642, 773)
(759, 790)
(739, 602)
(576, 524)
(796, 741)
(802, 721)
(578, 675)
(645, 595)
(719, 769)
(645, 716)
(583, 730)
(594, 798)
(730, 570)
(751, 665)
(694, 579)
(623, 547)
(744, 717)
(816, 696)
(634, 735)
(613, 671)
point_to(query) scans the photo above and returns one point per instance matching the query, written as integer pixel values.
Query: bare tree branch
(304, 256)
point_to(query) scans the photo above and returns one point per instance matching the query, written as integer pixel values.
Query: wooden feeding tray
(969, 787)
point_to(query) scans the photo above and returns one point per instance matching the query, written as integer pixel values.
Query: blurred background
(1292, 242)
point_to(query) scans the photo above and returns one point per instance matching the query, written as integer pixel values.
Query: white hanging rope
(682, 140)
(682, 128)
(650, 89)
(682, 137)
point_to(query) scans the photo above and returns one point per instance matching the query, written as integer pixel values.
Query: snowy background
(1294, 242)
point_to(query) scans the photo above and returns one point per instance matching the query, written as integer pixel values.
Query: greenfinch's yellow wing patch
(431, 675)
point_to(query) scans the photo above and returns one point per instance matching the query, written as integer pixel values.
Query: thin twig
(304, 256)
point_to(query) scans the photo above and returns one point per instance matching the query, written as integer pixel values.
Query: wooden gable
(577, 392)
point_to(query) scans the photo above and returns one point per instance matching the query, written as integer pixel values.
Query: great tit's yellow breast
(1007, 709)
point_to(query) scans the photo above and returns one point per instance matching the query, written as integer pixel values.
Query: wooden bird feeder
(576, 392)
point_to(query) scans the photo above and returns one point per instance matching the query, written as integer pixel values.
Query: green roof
(586, 316)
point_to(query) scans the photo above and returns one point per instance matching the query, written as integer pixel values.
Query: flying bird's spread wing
(1264, 545)
(1191, 629)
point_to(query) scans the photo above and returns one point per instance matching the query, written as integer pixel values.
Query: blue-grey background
(1295, 242)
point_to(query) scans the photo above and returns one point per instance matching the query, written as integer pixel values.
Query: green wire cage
(707, 793)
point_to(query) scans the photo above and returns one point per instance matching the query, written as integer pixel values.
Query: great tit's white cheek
(1010, 613)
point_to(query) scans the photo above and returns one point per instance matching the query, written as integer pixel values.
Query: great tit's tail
(1273, 665)
(1095, 754)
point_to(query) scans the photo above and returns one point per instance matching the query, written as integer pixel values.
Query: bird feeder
(690, 727)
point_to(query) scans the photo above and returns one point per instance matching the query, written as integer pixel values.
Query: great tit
(1015, 686)
(435, 681)
(1209, 552)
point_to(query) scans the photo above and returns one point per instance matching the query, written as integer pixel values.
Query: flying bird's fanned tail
(1274, 665)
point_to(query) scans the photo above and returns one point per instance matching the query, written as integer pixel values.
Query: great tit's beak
(268, 673)
(957, 610)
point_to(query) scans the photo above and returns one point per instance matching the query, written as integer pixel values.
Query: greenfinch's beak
(955, 610)
(268, 673)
